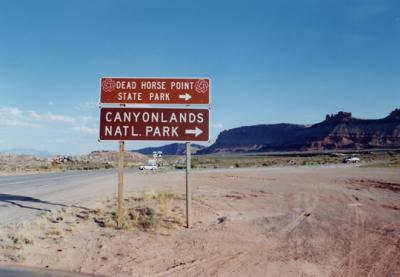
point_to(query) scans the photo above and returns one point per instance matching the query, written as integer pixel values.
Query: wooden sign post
(120, 214)
(188, 186)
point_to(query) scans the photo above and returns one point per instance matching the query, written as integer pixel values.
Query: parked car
(151, 165)
(148, 167)
(352, 160)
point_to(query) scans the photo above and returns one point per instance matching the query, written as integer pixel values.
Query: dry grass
(391, 164)
(14, 241)
(269, 159)
(151, 212)
(146, 211)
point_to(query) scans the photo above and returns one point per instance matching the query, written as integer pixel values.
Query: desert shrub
(180, 166)
(144, 218)
(147, 211)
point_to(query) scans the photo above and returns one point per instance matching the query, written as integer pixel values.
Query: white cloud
(218, 126)
(86, 119)
(89, 105)
(12, 111)
(56, 141)
(12, 116)
(58, 117)
(86, 125)
(51, 117)
(86, 130)
(51, 103)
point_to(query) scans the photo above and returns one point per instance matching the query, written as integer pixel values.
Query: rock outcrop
(337, 132)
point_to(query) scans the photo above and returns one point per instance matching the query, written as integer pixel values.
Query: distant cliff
(340, 131)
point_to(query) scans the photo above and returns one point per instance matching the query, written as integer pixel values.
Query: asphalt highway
(14, 271)
(22, 197)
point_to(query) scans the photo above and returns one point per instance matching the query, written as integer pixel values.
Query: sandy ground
(269, 222)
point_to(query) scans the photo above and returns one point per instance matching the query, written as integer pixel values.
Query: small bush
(147, 211)
(180, 166)
(144, 218)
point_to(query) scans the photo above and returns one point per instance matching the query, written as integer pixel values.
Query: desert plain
(337, 220)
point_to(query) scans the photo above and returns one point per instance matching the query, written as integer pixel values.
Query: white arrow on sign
(185, 96)
(197, 132)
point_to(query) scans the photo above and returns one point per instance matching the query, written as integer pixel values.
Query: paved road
(21, 197)
(8, 271)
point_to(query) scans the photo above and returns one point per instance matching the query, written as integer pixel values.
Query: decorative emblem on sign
(108, 85)
(201, 86)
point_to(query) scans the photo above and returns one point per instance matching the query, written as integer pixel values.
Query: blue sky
(269, 61)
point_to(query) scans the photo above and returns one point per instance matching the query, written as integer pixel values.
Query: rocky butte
(337, 132)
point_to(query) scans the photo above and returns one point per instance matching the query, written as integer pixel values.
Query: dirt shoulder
(275, 222)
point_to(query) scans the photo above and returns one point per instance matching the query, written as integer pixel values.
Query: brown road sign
(155, 91)
(154, 124)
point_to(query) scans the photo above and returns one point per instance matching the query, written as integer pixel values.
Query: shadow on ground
(14, 199)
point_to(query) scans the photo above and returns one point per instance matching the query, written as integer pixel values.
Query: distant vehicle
(151, 165)
(148, 167)
(352, 160)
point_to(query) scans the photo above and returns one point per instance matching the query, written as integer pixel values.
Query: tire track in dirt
(263, 251)
(349, 266)
(259, 253)
(357, 244)
(381, 261)
(372, 249)
(215, 262)
(384, 263)
(292, 235)
(286, 231)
